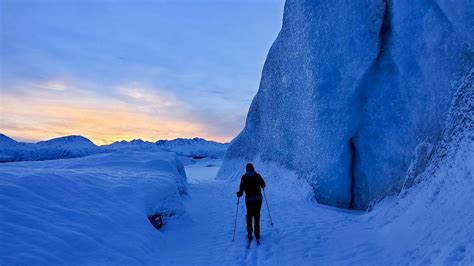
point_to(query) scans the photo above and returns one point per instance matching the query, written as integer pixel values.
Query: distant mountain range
(195, 148)
(57, 148)
(79, 146)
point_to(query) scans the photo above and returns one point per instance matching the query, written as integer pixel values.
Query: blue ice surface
(349, 90)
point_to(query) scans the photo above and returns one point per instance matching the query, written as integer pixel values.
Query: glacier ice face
(426, 45)
(349, 89)
(303, 114)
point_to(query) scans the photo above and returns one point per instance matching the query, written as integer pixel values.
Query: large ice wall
(351, 88)
(427, 47)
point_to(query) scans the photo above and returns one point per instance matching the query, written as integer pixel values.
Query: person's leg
(249, 218)
(257, 207)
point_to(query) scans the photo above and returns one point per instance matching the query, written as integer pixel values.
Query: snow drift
(353, 94)
(90, 209)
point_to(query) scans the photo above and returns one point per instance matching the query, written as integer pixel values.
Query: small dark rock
(156, 220)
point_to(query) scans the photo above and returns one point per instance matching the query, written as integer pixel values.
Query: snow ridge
(6, 141)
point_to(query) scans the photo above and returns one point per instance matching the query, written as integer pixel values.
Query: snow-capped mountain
(70, 142)
(6, 141)
(136, 144)
(78, 146)
(195, 147)
(57, 148)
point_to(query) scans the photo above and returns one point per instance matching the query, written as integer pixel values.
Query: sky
(119, 70)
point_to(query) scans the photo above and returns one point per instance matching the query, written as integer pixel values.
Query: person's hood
(250, 173)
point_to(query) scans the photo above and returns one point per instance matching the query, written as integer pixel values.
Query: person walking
(250, 183)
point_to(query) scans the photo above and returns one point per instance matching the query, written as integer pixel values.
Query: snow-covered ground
(93, 210)
(429, 224)
(90, 210)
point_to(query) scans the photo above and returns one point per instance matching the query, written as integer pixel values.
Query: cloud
(150, 100)
(130, 111)
(52, 85)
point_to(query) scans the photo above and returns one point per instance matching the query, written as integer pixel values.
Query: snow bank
(87, 210)
(349, 90)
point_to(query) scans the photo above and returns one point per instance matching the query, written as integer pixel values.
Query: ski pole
(266, 201)
(235, 223)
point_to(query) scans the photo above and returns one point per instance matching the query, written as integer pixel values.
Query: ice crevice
(363, 91)
(351, 173)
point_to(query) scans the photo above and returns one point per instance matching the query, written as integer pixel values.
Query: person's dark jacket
(251, 182)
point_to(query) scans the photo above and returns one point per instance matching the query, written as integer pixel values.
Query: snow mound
(88, 210)
(350, 90)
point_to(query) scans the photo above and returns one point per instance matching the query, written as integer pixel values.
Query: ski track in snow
(416, 229)
(300, 232)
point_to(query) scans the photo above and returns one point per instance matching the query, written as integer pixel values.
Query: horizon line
(31, 141)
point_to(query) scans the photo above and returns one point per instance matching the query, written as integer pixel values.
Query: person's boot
(249, 236)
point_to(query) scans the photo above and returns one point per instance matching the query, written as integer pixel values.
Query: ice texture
(427, 48)
(350, 89)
